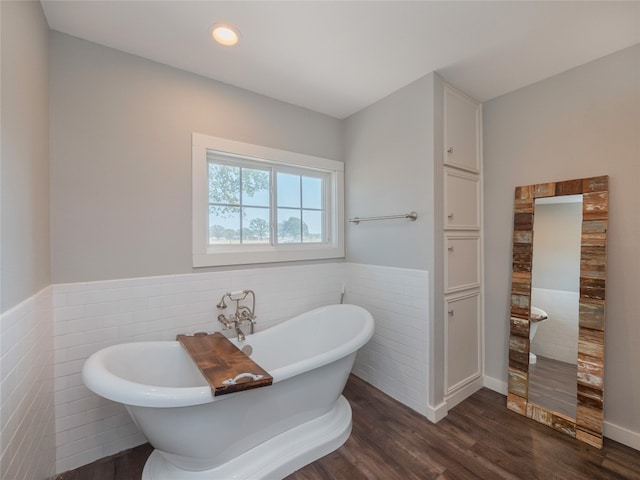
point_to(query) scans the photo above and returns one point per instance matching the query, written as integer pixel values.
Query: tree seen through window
(241, 200)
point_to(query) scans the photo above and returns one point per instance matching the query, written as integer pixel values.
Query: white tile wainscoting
(91, 316)
(27, 404)
(51, 412)
(396, 359)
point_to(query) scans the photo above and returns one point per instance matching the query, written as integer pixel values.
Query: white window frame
(205, 255)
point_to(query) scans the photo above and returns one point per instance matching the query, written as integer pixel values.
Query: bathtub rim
(110, 386)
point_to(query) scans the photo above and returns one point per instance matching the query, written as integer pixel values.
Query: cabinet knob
(450, 248)
(451, 312)
(450, 216)
(450, 150)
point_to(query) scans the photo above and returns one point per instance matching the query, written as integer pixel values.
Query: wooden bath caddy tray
(223, 364)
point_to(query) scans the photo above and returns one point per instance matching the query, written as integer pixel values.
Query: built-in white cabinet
(461, 262)
(461, 299)
(462, 133)
(463, 333)
(461, 200)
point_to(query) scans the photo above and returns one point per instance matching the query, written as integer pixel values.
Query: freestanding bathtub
(266, 432)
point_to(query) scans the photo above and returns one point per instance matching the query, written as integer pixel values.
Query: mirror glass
(555, 297)
(557, 314)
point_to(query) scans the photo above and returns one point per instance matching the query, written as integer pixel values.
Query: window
(254, 204)
(241, 194)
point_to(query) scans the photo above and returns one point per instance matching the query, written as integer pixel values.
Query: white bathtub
(267, 432)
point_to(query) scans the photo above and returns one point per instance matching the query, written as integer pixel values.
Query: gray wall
(390, 149)
(581, 123)
(121, 156)
(389, 171)
(556, 246)
(24, 204)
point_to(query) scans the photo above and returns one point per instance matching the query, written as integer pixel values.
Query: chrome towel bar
(411, 216)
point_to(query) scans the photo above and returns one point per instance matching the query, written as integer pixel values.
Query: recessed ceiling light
(225, 34)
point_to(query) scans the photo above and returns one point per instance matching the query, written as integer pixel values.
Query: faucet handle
(223, 320)
(247, 315)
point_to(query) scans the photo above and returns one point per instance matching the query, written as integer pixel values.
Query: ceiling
(337, 57)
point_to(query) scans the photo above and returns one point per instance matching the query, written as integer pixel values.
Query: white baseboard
(495, 384)
(437, 413)
(464, 392)
(622, 435)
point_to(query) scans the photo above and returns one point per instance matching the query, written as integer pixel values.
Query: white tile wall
(26, 390)
(557, 337)
(91, 316)
(396, 359)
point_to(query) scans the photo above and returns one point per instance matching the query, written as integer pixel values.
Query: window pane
(288, 190)
(224, 225)
(256, 225)
(311, 192)
(312, 226)
(224, 184)
(255, 187)
(289, 225)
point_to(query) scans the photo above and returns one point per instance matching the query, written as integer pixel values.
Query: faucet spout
(239, 333)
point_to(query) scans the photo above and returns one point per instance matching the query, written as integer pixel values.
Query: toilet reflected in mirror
(535, 319)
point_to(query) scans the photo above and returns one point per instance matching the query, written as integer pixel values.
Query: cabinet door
(461, 200)
(461, 263)
(462, 135)
(462, 331)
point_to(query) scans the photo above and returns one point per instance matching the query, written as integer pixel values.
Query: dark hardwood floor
(127, 465)
(552, 384)
(479, 439)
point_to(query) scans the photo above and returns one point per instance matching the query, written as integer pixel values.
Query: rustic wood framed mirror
(586, 423)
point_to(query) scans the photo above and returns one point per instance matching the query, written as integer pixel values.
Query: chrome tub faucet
(243, 313)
